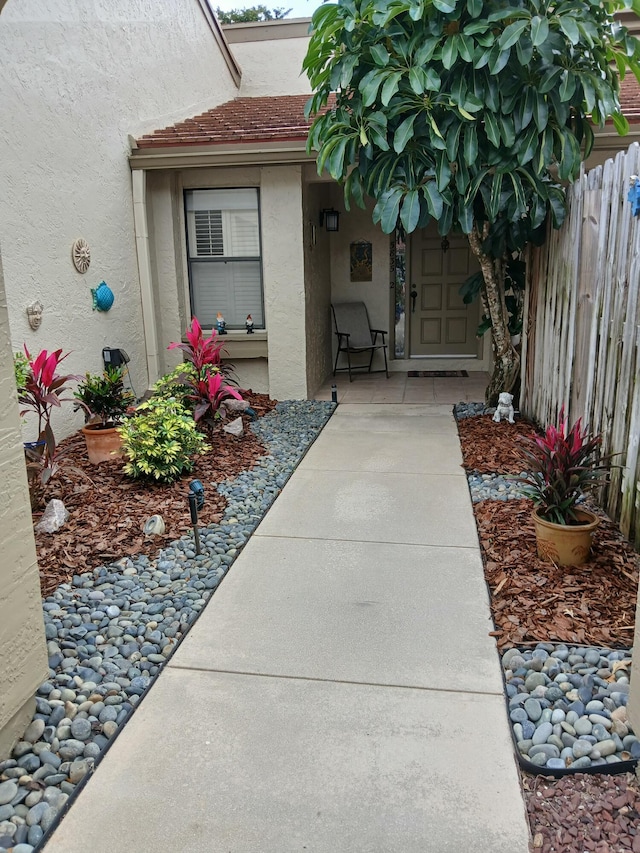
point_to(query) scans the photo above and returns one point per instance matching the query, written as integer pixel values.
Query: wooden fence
(581, 337)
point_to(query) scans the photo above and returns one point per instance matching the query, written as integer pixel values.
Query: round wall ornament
(81, 255)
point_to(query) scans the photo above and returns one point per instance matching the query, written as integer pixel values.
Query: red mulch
(491, 448)
(536, 601)
(108, 509)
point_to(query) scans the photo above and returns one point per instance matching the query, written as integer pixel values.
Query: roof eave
(221, 154)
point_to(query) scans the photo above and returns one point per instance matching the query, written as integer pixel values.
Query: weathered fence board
(581, 335)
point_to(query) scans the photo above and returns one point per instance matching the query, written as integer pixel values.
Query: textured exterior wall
(273, 67)
(75, 81)
(284, 288)
(376, 294)
(23, 658)
(317, 287)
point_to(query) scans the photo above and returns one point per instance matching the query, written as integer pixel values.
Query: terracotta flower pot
(565, 544)
(103, 443)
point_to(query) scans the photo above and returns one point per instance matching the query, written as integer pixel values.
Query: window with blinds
(225, 271)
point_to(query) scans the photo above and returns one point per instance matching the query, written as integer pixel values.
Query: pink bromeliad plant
(208, 383)
(562, 465)
(42, 390)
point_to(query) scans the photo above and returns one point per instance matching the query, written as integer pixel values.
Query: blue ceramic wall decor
(102, 297)
(634, 195)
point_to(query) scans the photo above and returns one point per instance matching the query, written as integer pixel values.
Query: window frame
(223, 258)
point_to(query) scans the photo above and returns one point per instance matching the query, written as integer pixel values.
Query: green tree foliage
(251, 15)
(472, 113)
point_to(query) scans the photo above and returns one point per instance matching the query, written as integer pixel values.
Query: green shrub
(21, 369)
(177, 384)
(160, 440)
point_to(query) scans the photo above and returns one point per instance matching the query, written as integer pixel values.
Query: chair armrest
(380, 331)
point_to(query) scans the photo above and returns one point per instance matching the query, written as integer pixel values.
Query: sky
(299, 8)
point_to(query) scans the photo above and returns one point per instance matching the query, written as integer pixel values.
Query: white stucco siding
(76, 80)
(273, 67)
(284, 289)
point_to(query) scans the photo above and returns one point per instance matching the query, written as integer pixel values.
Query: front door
(440, 323)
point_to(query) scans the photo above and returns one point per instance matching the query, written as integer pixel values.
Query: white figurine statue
(504, 408)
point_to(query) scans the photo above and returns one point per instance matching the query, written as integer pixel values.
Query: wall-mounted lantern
(330, 218)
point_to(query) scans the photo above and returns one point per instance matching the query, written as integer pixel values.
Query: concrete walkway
(340, 693)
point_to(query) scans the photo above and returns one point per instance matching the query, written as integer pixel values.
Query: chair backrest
(351, 318)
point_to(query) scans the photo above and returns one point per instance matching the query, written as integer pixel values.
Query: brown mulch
(533, 601)
(582, 813)
(491, 448)
(108, 509)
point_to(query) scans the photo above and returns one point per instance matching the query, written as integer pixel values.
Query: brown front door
(441, 324)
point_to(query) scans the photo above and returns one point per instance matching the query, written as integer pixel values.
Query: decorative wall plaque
(361, 261)
(34, 314)
(81, 255)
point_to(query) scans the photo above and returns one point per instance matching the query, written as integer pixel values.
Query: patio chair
(355, 336)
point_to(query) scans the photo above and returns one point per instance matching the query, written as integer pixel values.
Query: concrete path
(340, 693)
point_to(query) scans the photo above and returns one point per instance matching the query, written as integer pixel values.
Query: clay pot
(103, 443)
(565, 544)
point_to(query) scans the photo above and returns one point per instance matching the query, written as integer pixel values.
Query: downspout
(141, 231)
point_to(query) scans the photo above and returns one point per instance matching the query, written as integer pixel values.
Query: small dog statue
(504, 408)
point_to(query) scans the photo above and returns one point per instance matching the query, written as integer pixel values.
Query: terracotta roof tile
(269, 119)
(280, 119)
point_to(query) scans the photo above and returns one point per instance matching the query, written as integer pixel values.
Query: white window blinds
(224, 255)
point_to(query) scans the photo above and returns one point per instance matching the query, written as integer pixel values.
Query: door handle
(414, 295)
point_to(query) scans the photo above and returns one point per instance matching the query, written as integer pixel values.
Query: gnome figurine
(221, 326)
(249, 324)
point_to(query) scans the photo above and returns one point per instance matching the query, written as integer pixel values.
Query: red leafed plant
(42, 390)
(200, 351)
(561, 466)
(209, 383)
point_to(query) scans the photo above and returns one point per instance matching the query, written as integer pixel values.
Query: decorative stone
(533, 709)
(541, 734)
(81, 255)
(154, 526)
(34, 731)
(234, 428)
(53, 518)
(8, 790)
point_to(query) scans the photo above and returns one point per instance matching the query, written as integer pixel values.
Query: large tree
(473, 113)
(250, 15)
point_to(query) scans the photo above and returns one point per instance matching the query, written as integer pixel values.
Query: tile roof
(281, 119)
(269, 119)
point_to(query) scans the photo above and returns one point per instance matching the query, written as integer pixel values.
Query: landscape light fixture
(330, 218)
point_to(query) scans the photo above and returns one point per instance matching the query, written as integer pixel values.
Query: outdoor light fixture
(330, 218)
(197, 488)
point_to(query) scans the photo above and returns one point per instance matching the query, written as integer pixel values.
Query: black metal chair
(356, 336)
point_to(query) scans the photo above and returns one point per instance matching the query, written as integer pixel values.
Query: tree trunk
(506, 361)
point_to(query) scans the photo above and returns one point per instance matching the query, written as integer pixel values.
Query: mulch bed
(536, 601)
(108, 509)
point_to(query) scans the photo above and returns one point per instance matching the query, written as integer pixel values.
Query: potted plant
(562, 465)
(105, 401)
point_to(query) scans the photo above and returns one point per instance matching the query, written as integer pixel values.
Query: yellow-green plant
(160, 441)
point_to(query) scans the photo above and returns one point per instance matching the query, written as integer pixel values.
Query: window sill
(238, 344)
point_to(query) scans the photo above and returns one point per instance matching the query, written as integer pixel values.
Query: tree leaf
(417, 80)
(380, 55)
(539, 30)
(512, 33)
(569, 27)
(491, 129)
(410, 211)
(470, 144)
(389, 207)
(498, 59)
(540, 112)
(390, 87)
(433, 199)
(403, 134)
(449, 52)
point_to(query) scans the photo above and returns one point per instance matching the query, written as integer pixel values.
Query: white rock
(154, 526)
(235, 427)
(53, 518)
(233, 405)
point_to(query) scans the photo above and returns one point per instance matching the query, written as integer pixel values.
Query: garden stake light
(193, 509)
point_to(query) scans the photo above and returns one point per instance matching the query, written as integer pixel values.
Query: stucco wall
(284, 377)
(270, 55)
(284, 290)
(317, 286)
(23, 659)
(76, 80)
(376, 294)
(633, 707)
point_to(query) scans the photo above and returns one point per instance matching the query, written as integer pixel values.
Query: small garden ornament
(221, 325)
(504, 408)
(249, 324)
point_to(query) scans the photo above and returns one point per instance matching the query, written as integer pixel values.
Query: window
(225, 273)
